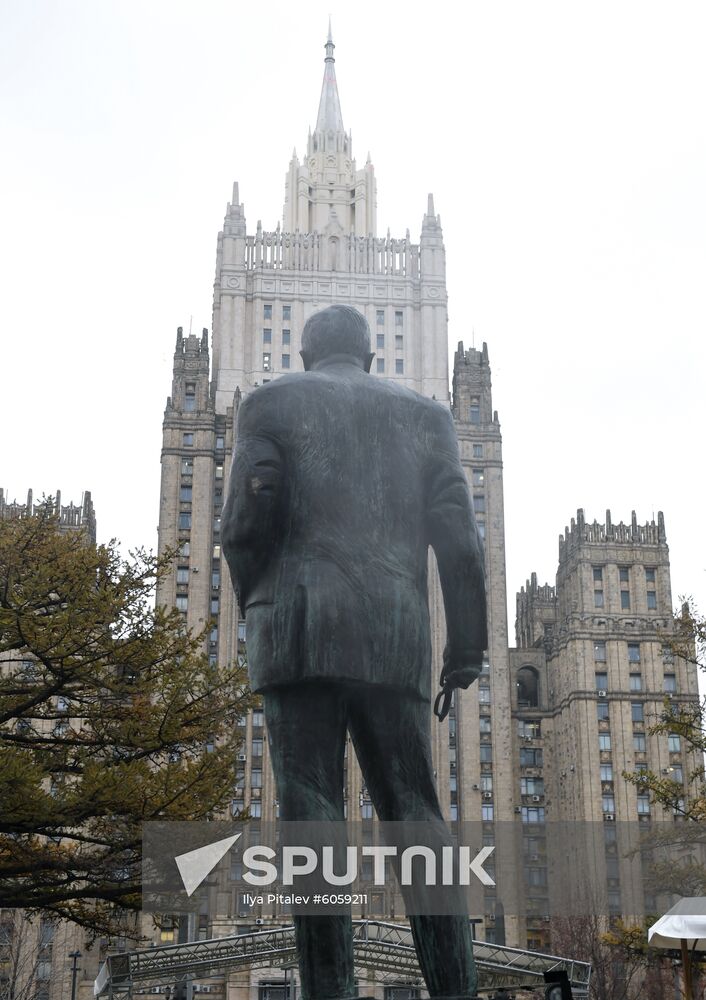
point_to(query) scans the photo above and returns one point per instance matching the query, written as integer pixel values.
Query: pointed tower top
(329, 118)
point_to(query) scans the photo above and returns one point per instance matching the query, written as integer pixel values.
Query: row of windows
(624, 577)
(380, 342)
(267, 336)
(380, 366)
(637, 710)
(669, 683)
(380, 317)
(187, 464)
(639, 742)
(600, 653)
(286, 312)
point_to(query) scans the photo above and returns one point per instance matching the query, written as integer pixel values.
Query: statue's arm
(454, 537)
(251, 521)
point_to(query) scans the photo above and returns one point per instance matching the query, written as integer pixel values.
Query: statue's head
(336, 332)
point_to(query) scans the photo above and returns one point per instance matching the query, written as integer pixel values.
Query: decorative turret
(325, 193)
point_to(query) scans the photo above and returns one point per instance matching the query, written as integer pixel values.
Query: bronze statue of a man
(340, 483)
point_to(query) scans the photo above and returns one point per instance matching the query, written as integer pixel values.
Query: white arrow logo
(196, 865)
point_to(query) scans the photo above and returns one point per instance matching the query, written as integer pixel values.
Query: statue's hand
(455, 674)
(463, 677)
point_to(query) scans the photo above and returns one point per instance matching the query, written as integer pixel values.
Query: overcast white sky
(565, 144)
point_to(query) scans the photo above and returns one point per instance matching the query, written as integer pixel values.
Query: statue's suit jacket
(340, 481)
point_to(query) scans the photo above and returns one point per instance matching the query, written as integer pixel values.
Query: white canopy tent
(683, 927)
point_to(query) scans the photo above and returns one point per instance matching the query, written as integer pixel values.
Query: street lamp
(74, 956)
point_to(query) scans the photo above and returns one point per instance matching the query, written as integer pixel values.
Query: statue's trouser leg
(306, 727)
(391, 733)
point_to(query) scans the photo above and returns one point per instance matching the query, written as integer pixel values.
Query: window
(380, 317)
(184, 521)
(190, 397)
(650, 574)
(187, 440)
(475, 412)
(399, 342)
(285, 360)
(532, 814)
(398, 318)
(486, 782)
(670, 683)
(185, 494)
(214, 605)
(267, 361)
(484, 724)
(380, 366)
(267, 335)
(530, 728)
(484, 695)
(625, 600)
(633, 652)
(182, 574)
(667, 654)
(531, 757)
(267, 311)
(187, 466)
(257, 746)
(182, 602)
(598, 598)
(676, 774)
(486, 753)
(674, 743)
(479, 504)
(216, 552)
(599, 652)
(184, 550)
(624, 574)
(477, 450)
(638, 711)
(366, 810)
(531, 786)
(601, 682)
(639, 742)
(643, 805)
(256, 778)
(603, 711)
(220, 442)
(478, 477)
(241, 631)
(606, 772)
(651, 600)
(608, 803)
(286, 314)
(399, 366)
(380, 341)
(486, 813)
(604, 741)
(636, 682)
(598, 574)
(286, 338)
(215, 579)
(258, 718)
(219, 470)
(255, 810)
(481, 529)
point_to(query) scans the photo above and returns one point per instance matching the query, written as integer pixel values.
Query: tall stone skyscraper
(527, 743)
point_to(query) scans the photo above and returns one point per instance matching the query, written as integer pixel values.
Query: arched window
(527, 687)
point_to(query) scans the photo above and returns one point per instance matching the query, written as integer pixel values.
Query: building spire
(329, 118)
